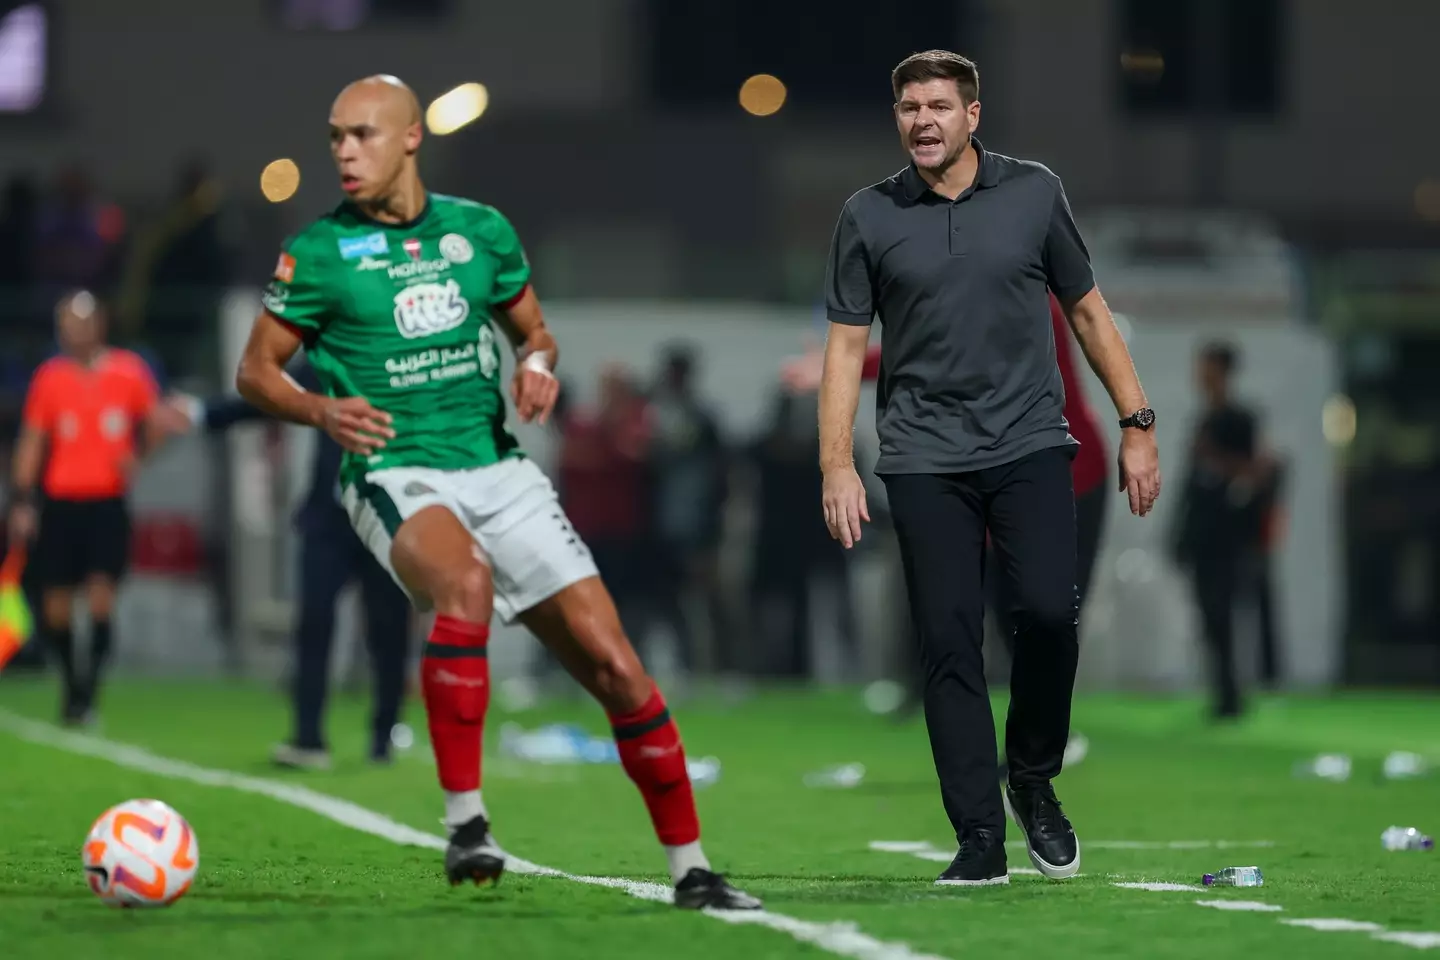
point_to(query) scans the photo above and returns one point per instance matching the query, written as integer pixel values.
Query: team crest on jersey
(372, 244)
(412, 247)
(426, 309)
(456, 248)
(285, 268)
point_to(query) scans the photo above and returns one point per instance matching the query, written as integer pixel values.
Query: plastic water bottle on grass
(1234, 877)
(1406, 838)
(1334, 767)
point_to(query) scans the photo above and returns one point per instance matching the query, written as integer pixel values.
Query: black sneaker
(702, 889)
(1049, 838)
(980, 862)
(472, 854)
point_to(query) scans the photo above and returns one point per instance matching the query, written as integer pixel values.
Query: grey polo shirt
(968, 375)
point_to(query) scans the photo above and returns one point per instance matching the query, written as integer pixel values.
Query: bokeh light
(452, 110)
(762, 95)
(279, 180)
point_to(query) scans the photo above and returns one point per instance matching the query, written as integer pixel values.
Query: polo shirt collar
(987, 175)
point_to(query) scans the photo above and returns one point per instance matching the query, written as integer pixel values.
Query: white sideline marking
(1420, 941)
(901, 846)
(924, 850)
(1161, 887)
(842, 938)
(1335, 925)
(1252, 905)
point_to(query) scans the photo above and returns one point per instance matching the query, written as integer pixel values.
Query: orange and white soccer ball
(140, 853)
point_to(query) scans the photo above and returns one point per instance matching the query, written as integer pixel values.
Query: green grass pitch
(277, 881)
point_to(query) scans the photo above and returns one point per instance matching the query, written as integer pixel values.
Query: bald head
(390, 95)
(374, 135)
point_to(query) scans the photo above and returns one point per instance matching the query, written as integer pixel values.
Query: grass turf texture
(278, 882)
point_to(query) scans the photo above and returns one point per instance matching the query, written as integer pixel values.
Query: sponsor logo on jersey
(370, 263)
(275, 296)
(372, 243)
(412, 247)
(285, 268)
(426, 309)
(456, 248)
(417, 268)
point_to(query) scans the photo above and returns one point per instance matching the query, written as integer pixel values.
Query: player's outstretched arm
(535, 387)
(262, 380)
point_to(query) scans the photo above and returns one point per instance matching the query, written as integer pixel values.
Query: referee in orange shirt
(77, 451)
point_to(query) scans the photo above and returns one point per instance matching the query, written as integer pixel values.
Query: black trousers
(1090, 510)
(940, 520)
(1216, 570)
(330, 557)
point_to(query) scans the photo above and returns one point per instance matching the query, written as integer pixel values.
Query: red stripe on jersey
(520, 295)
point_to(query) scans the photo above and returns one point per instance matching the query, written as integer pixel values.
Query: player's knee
(465, 593)
(620, 681)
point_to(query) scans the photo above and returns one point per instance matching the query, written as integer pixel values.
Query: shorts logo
(412, 247)
(417, 489)
(373, 244)
(430, 308)
(456, 248)
(285, 268)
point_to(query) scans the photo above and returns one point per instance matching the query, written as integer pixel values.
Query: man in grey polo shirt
(954, 254)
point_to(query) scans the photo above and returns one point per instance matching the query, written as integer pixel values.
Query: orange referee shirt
(89, 416)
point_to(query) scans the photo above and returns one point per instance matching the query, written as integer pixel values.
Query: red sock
(651, 753)
(455, 681)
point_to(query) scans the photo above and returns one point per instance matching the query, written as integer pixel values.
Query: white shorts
(511, 510)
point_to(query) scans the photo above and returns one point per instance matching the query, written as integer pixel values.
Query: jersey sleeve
(39, 412)
(849, 290)
(145, 392)
(1067, 262)
(299, 292)
(512, 267)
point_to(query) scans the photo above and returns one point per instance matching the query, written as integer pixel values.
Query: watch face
(1144, 418)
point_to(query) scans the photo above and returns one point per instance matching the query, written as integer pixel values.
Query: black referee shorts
(80, 538)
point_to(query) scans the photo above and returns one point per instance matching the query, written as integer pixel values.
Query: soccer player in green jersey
(392, 295)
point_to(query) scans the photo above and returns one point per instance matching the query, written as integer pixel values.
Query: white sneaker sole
(991, 882)
(1049, 870)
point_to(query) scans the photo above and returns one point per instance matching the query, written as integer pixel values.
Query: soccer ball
(140, 853)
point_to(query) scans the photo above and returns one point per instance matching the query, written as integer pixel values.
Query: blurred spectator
(77, 237)
(331, 557)
(175, 273)
(689, 470)
(18, 223)
(793, 548)
(1221, 515)
(603, 487)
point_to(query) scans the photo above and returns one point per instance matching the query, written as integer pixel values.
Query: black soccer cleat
(702, 889)
(980, 862)
(1049, 837)
(472, 854)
